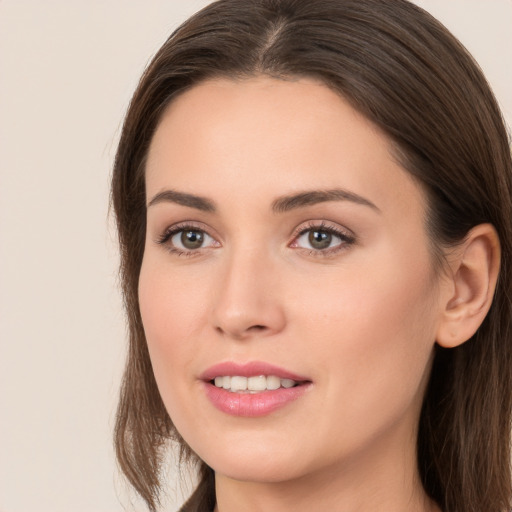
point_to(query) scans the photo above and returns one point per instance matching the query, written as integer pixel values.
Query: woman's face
(285, 247)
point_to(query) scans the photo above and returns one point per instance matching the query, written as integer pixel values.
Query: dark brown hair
(406, 73)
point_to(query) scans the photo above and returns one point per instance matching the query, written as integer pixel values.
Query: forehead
(272, 136)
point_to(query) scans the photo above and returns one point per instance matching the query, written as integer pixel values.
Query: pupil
(320, 239)
(192, 239)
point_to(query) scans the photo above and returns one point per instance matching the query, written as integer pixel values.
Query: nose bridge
(247, 300)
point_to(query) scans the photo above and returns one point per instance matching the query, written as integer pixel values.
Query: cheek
(372, 334)
(170, 307)
(172, 300)
(368, 302)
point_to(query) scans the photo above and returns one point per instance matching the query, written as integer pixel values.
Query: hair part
(401, 69)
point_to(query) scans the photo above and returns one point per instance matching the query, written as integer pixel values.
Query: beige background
(67, 70)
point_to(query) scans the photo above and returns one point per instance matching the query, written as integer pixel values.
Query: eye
(186, 240)
(190, 239)
(317, 239)
(322, 239)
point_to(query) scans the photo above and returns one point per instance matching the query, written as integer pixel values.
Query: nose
(248, 301)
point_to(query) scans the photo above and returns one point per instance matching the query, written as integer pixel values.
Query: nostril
(257, 328)
(242, 333)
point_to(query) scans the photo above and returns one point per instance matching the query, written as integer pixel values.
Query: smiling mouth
(252, 389)
(254, 384)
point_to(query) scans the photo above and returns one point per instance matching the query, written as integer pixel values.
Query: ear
(474, 269)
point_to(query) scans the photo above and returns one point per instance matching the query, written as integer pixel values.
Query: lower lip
(253, 404)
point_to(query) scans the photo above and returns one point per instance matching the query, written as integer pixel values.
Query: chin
(253, 461)
(257, 471)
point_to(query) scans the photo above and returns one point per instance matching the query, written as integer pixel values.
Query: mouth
(254, 384)
(252, 389)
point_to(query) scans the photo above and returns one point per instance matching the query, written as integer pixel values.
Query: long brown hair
(406, 73)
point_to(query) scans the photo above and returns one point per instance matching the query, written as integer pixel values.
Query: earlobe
(474, 273)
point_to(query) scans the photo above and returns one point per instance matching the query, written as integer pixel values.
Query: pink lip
(247, 404)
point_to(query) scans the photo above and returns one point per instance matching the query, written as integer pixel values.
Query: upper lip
(249, 369)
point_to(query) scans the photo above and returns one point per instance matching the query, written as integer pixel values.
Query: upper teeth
(259, 383)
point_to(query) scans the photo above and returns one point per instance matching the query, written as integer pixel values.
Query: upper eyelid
(322, 225)
(189, 224)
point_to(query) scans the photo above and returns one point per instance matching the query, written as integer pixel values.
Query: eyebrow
(190, 200)
(287, 203)
(280, 205)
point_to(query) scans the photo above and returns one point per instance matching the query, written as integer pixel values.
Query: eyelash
(346, 239)
(165, 238)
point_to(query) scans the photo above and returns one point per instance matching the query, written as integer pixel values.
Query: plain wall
(67, 70)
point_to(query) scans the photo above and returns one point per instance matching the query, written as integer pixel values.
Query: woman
(313, 204)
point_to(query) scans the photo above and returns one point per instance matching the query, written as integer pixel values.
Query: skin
(359, 319)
